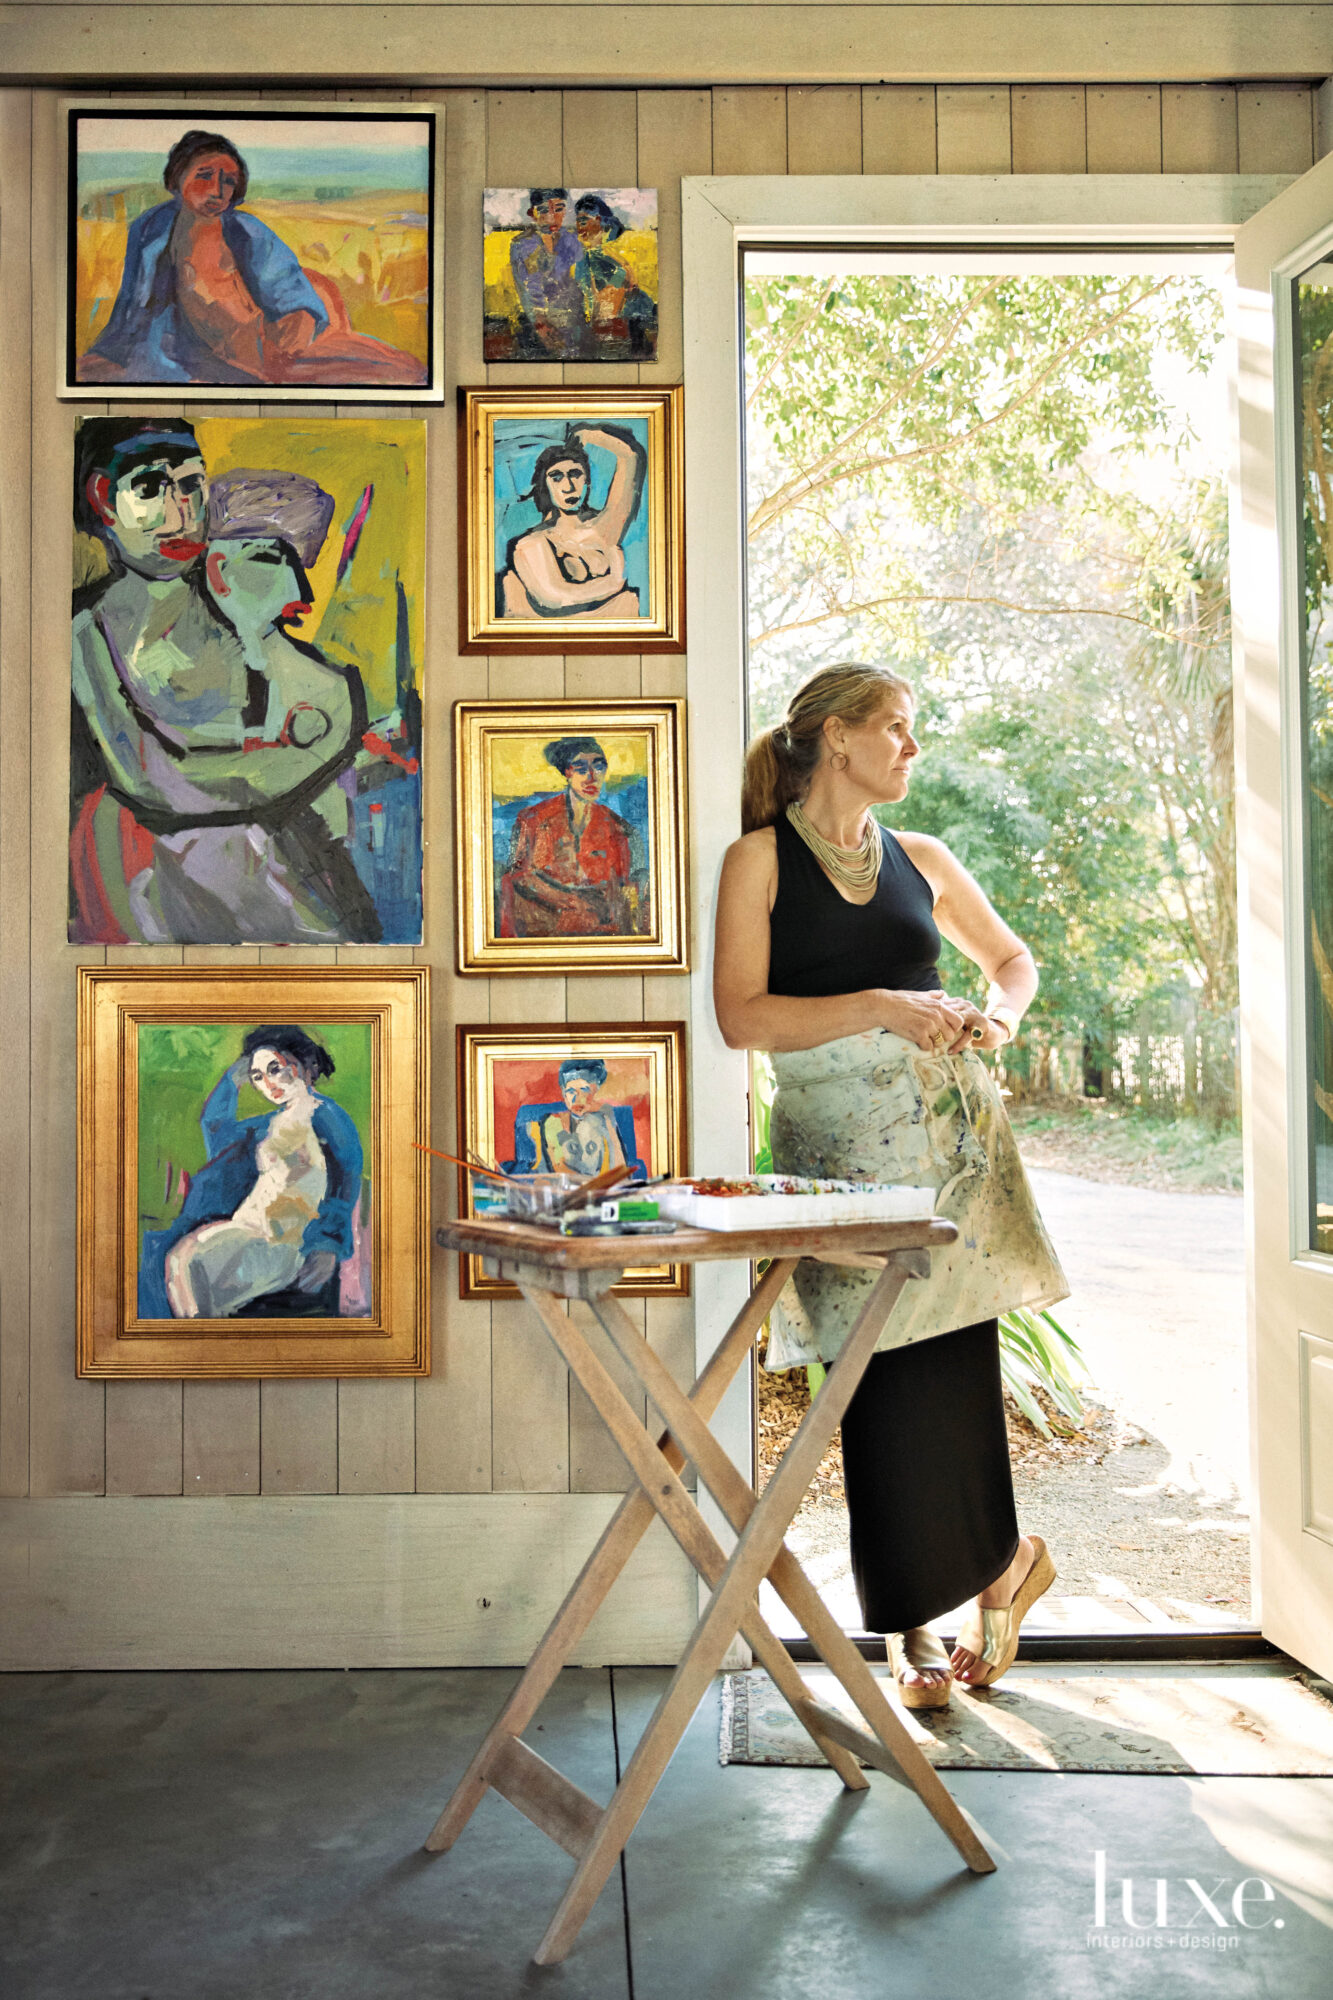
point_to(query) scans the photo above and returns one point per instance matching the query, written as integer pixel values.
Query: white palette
(835, 1201)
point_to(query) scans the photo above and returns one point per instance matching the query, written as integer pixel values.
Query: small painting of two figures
(570, 274)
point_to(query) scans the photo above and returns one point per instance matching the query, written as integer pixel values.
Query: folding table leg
(737, 1500)
(660, 1482)
(619, 1539)
(750, 1562)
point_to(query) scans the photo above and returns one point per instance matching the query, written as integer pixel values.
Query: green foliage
(1043, 799)
(988, 481)
(1037, 1352)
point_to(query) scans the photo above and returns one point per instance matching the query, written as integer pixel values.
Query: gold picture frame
(219, 1237)
(596, 565)
(514, 1110)
(570, 836)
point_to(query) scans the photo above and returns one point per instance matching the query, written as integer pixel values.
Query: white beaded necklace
(859, 871)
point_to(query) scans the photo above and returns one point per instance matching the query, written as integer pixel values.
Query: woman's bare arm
(966, 917)
(751, 1017)
(626, 481)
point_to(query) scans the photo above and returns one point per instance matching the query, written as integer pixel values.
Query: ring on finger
(978, 1031)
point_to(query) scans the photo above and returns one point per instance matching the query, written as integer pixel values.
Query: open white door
(1282, 596)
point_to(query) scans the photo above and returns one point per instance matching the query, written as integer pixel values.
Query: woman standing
(828, 935)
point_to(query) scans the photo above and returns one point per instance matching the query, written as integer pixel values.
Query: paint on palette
(247, 639)
(245, 251)
(570, 274)
(578, 1115)
(572, 534)
(573, 861)
(254, 1181)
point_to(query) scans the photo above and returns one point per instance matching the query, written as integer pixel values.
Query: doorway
(1004, 475)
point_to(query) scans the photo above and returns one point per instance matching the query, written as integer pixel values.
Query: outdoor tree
(984, 480)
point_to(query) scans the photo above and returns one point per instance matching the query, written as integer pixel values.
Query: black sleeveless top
(820, 944)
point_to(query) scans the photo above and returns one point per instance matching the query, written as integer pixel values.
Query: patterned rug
(1209, 1721)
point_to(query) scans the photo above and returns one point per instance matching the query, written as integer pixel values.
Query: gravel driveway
(1157, 1304)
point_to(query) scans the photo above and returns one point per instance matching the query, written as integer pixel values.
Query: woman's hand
(930, 1020)
(992, 1035)
(291, 334)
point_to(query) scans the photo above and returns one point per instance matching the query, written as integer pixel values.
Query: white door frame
(719, 218)
(1291, 1285)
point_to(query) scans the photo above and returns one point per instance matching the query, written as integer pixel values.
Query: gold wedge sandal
(921, 1651)
(993, 1635)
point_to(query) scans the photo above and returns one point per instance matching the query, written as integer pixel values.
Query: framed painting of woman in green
(252, 1189)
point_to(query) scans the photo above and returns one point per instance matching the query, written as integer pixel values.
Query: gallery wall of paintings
(374, 537)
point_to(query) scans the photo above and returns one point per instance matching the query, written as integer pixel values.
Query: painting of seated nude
(570, 835)
(248, 633)
(232, 250)
(573, 521)
(575, 1100)
(251, 1191)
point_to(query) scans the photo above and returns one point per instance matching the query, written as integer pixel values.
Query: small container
(627, 1208)
(488, 1198)
(538, 1197)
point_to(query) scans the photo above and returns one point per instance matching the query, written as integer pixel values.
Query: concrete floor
(257, 1836)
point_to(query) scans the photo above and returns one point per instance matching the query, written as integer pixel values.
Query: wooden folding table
(548, 1269)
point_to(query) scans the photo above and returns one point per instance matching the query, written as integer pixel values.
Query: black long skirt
(929, 1490)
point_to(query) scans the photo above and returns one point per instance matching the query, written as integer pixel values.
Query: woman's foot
(920, 1668)
(986, 1646)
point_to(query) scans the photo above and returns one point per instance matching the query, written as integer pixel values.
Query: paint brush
(608, 1178)
(468, 1166)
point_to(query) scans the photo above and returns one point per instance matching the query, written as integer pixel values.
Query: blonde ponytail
(769, 785)
(781, 761)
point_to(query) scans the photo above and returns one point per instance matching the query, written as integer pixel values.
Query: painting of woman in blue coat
(211, 294)
(267, 1222)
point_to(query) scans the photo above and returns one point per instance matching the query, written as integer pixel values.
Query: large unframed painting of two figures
(248, 632)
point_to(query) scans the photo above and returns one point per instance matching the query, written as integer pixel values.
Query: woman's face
(586, 774)
(209, 184)
(578, 1092)
(259, 582)
(548, 217)
(566, 486)
(275, 1076)
(590, 228)
(880, 750)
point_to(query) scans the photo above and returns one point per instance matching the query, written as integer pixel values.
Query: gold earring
(839, 760)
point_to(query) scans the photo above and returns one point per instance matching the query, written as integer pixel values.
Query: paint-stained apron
(876, 1107)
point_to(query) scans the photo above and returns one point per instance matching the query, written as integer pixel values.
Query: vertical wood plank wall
(496, 1415)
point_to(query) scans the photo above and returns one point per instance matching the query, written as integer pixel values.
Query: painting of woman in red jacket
(576, 867)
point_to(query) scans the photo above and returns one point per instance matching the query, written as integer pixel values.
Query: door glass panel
(1314, 354)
